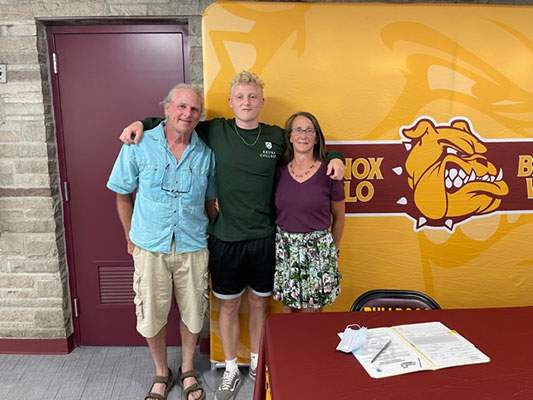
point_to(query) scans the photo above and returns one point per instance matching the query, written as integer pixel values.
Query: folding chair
(393, 300)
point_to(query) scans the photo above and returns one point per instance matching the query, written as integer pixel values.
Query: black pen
(381, 351)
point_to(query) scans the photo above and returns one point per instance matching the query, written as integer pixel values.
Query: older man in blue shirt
(173, 172)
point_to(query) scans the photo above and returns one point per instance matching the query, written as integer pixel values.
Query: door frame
(103, 26)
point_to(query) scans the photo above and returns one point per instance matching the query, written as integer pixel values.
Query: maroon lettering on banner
(438, 175)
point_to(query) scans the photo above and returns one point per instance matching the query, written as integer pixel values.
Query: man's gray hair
(167, 100)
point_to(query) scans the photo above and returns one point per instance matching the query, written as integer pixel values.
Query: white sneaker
(229, 385)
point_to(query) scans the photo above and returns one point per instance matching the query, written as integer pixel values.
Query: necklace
(301, 175)
(244, 141)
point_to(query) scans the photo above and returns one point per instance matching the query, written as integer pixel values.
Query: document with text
(415, 347)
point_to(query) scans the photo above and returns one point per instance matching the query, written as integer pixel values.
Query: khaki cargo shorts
(155, 274)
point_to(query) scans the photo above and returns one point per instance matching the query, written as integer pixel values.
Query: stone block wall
(34, 289)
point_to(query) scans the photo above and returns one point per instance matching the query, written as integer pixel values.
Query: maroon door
(105, 77)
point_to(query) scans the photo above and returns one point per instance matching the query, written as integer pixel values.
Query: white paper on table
(415, 347)
(442, 346)
(396, 359)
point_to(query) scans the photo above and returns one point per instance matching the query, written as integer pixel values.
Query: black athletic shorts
(237, 265)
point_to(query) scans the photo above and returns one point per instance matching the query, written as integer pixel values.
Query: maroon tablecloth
(298, 350)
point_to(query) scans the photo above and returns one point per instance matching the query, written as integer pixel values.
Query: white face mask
(352, 339)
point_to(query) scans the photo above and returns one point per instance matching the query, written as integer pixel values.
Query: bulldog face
(449, 173)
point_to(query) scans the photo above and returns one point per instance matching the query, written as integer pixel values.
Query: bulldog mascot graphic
(449, 173)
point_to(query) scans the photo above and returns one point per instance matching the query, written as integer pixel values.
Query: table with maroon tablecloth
(298, 359)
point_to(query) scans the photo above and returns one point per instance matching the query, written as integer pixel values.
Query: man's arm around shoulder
(133, 132)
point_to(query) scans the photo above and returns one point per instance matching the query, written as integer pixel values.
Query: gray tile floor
(99, 373)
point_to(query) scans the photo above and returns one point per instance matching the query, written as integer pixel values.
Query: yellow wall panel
(373, 74)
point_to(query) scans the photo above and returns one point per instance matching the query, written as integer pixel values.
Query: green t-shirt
(245, 176)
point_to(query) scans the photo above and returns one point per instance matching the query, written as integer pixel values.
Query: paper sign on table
(416, 347)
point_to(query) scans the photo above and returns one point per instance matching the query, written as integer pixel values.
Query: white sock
(231, 365)
(253, 360)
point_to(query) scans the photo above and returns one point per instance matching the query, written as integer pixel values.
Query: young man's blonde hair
(246, 78)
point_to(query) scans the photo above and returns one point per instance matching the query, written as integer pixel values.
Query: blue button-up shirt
(170, 199)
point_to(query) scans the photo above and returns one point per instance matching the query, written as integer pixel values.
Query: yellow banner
(433, 107)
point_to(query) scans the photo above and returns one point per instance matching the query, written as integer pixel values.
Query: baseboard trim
(37, 346)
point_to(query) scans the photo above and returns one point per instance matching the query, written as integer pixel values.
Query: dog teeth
(458, 177)
(453, 173)
(448, 182)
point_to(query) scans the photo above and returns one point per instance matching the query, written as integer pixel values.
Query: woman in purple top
(308, 203)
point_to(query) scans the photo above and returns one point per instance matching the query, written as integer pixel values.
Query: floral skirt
(306, 273)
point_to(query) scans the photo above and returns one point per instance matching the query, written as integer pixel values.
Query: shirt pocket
(177, 180)
(199, 184)
(151, 177)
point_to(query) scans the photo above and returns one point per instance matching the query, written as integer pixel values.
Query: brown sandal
(167, 380)
(194, 387)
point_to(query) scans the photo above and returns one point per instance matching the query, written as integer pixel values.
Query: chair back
(393, 300)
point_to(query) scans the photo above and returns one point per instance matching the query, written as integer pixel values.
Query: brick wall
(34, 292)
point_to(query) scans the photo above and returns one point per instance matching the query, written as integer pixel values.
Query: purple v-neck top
(305, 207)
